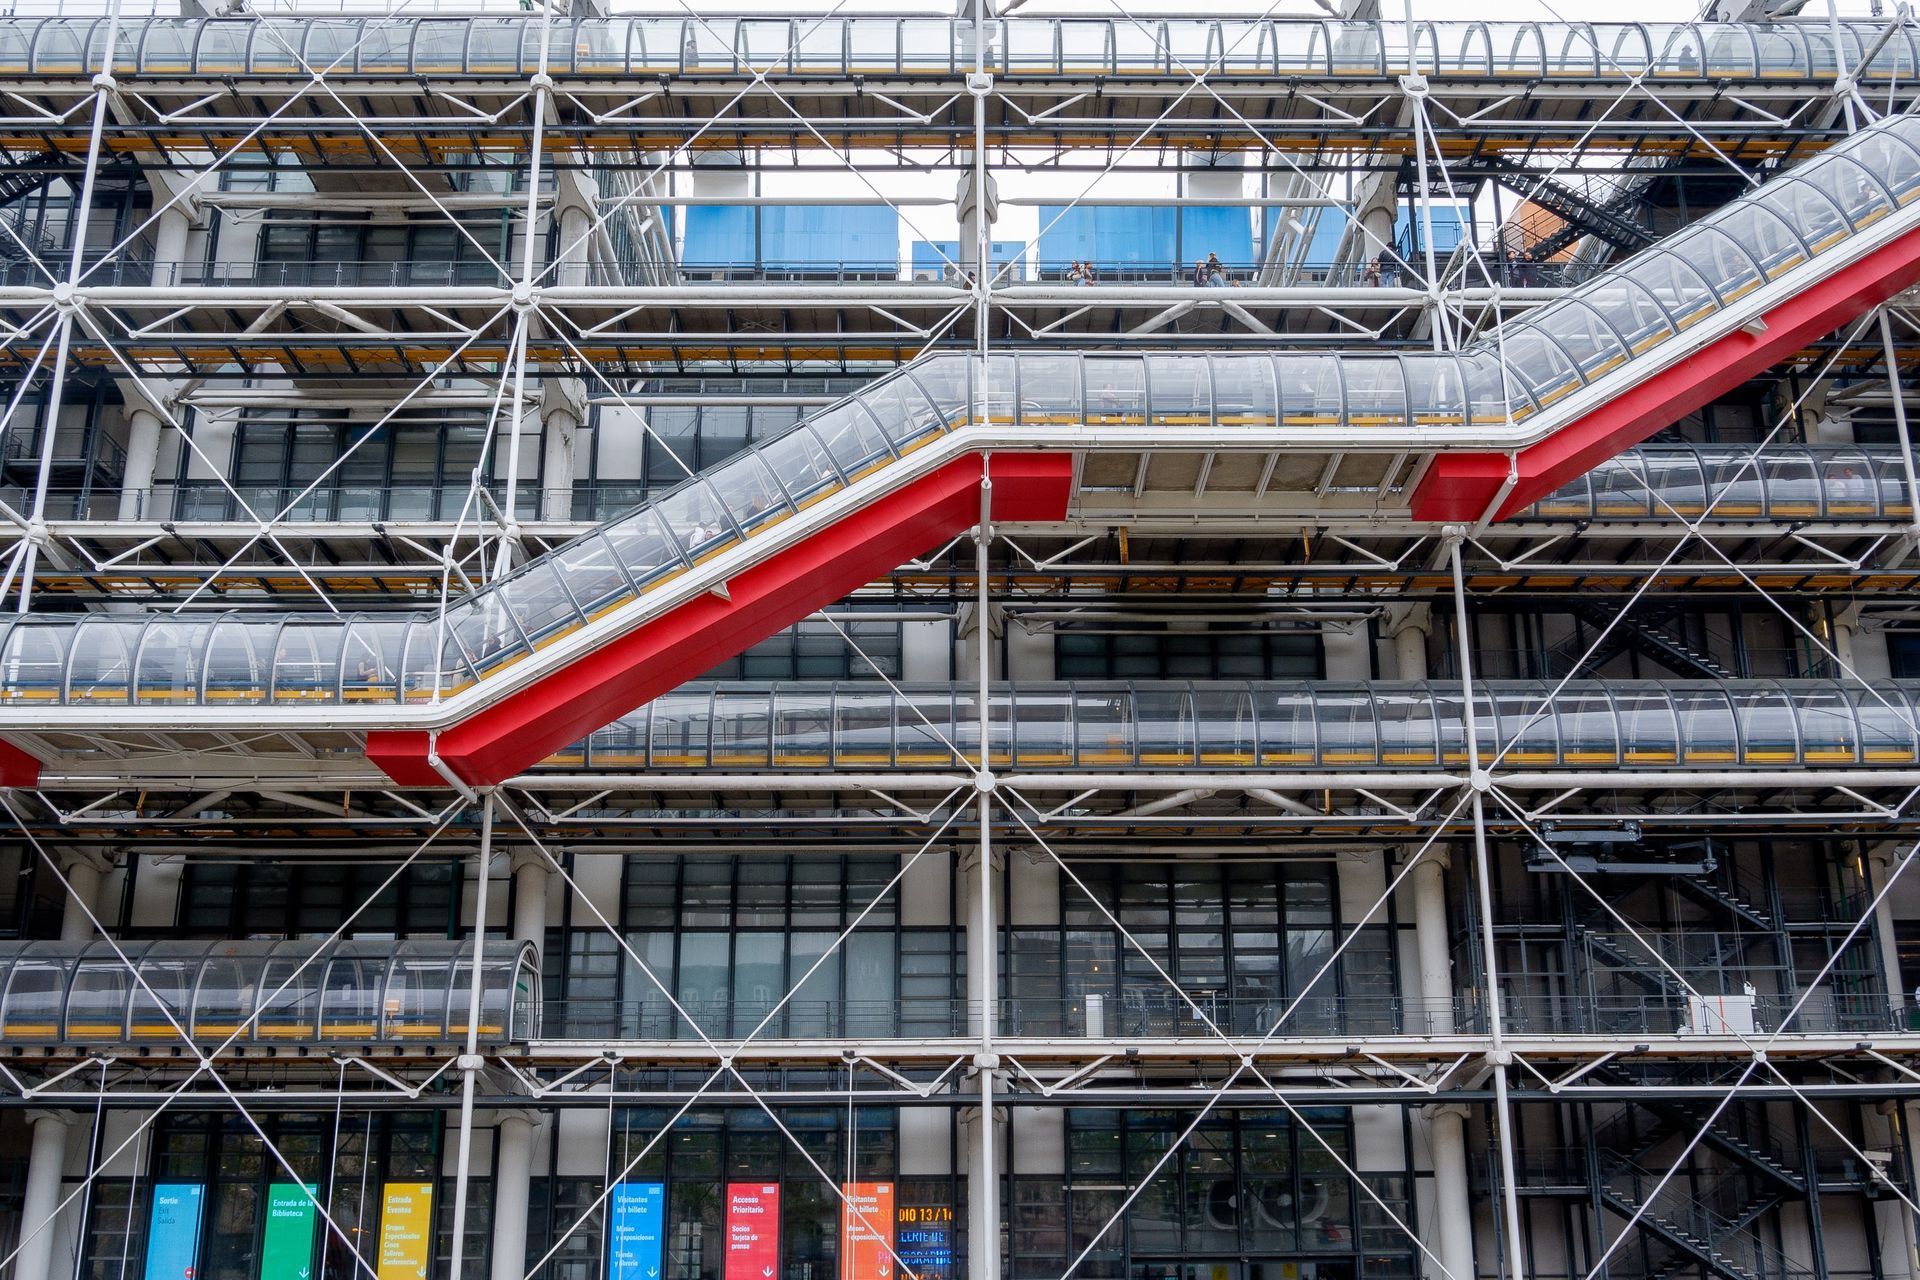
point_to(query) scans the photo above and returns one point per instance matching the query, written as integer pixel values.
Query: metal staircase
(1580, 214)
(1703, 1218)
(1645, 634)
(1710, 1231)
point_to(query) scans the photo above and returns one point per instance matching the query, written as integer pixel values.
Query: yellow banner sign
(406, 1230)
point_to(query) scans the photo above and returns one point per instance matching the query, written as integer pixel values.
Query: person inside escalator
(1371, 276)
(1200, 274)
(1216, 274)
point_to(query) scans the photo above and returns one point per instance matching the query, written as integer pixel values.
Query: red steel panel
(529, 725)
(1460, 486)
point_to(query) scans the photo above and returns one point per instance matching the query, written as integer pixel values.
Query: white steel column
(530, 879)
(1453, 1206)
(46, 1164)
(1432, 943)
(512, 1175)
(1481, 782)
(143, 457)
(1878, 863)
(559, 428)
(514, 1136)
(83, 869)
(170, 239)
(470, 1061)
(1408, 625)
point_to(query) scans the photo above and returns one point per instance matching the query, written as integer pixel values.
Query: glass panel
(1179, 391)
(1895, 164)
(1436, 393)
(1680, 290)
(1049, 389)
(851, 437)
(643, 547)
(102, 660)
(1243, 391)
(1310, 390)
(1116, 390)
(1816, 219)
(1629, 310)
(1376, 392)
(167, 667)
(538, 602)
(1538, 362)
(1860, 196)
(96, 1008)
(803, 465)
(1587, 339)
(306, 660)
(240, 660)
(1764, 235)
(33, 661)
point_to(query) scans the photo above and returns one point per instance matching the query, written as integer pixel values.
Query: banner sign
(866, 1231)
(924, 1240)
(173, 1230)
(406, 1230)
(286, 1249)
(634, 1243)
(753, 1230)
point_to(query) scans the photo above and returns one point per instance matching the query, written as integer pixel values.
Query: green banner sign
(287, 1251)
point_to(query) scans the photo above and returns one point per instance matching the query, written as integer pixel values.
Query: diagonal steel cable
(206, 1062)
(724, 1057)
(1247, 1056)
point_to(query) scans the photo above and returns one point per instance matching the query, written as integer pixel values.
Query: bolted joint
(469, 1062)
(979, 83)
(1480, 780)
(1414, 86)
(523, 297)
(541, 81)
(104, 83)
(65, 297)
(984, 782)
(986, 1062)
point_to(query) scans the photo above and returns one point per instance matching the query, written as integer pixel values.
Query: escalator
(525, 665)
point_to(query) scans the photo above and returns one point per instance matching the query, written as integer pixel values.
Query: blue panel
(719, 236)
(173, 1230)
(858, 237)
(635, 1241)
(1111, 236)
(1227, 232)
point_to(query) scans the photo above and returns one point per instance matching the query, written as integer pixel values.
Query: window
(1188, 655)
(281, 899)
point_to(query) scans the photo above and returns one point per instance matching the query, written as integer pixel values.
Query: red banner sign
(866, 1231)
(753, 1230)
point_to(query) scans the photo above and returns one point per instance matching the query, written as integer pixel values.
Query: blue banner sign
(639, 1224)
(173, 1230)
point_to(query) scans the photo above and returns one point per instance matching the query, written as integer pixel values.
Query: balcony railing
(1155, 1014)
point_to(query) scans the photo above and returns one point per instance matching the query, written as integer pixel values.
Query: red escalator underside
(1460, 487)
(506, 737)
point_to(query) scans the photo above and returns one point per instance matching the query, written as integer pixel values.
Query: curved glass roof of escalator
(262, 993)
(874, 45)
(1283, 725)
